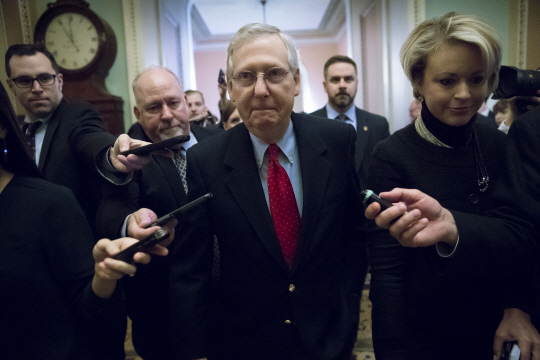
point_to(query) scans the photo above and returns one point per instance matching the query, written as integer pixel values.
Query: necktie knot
(273, 151)
(30, 128)
(342, 117)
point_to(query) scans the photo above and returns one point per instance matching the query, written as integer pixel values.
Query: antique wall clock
(84, 47)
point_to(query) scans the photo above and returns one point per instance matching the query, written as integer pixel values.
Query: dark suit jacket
(370, 129)
(157, 187)
(258, 306)
(75, 135)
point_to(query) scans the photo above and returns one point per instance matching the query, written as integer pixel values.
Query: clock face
(73, 40)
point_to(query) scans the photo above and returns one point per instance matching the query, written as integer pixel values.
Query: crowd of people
(273, 265)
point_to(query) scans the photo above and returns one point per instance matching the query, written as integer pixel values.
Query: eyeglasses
(248, 78)
(27, 81)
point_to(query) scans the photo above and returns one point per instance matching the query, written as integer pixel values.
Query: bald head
(161, 104)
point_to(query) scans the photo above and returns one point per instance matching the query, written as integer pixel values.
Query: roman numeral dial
(73, 40)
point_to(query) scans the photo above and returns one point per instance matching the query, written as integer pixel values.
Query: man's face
(196, 105)
(161, 106)
(341, 85)
(39, 101)
(264, 107)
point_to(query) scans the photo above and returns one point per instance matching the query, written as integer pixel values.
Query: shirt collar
(44, 120)
(287, 144)
(192, 141)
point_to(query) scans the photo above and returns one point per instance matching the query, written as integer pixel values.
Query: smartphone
(157, 236)
(162, 220)
(370, 197)
(221, 77)
(510, 351)
(143, 150)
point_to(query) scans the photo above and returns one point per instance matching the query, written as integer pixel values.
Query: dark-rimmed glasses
(28, 82)
(248, 78)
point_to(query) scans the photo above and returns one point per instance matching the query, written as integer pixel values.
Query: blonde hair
(430, 35)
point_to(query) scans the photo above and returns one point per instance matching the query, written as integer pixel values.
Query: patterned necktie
(180, 163)
(29, 133)
(283, 206)
(342, 117)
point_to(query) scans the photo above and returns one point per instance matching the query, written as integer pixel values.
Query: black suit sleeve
(89, 137)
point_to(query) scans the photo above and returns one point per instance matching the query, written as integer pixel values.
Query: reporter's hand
(516, 326)
(140, 219)
(131, 163)
(416, 220)
(108, 270)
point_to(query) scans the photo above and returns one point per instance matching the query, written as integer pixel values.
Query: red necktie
(282, 206)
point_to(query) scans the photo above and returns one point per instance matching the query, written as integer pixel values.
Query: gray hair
(430, 35)
(257, 30)
(134, 84)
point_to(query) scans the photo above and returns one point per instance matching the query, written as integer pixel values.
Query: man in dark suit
(156, 190)
(341, 83)
(64, 138)
(287, 216)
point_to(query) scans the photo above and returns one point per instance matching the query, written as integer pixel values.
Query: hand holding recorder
(415, 220)
(151, 231)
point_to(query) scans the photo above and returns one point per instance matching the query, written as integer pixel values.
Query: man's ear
(60, 79)
(324, 86)
(297, 82)
(10, 84)
(230, 89)
(137, 112)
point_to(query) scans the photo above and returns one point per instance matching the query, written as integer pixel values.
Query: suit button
(292, 287)
(287, 322)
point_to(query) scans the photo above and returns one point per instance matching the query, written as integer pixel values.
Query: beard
(170, 132)
(342, 100)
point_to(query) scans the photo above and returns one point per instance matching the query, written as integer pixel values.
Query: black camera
(516, 82)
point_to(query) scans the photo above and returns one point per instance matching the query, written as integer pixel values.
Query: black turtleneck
(454, 136)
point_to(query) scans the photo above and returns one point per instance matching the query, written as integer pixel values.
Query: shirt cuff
(108, 171)
(444, 250)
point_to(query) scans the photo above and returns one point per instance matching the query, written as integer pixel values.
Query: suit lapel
(52, 126)
(315, 171)
(362, 134)
(244, 183)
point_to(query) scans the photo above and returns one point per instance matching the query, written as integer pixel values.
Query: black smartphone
(370, 197)
(157, 236)
(143, 150)
(162, 220)
(221, 77)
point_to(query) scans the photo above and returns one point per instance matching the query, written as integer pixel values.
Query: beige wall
(207, 65)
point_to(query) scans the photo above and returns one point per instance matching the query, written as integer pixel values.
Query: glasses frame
(15, 80)
(258, 74)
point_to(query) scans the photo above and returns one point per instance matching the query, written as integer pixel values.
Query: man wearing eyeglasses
(287, 216)
(64, 138)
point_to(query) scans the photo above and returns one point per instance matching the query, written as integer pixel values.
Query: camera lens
(516, 82)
